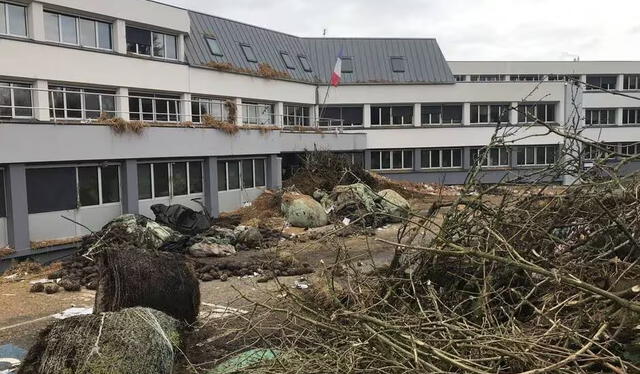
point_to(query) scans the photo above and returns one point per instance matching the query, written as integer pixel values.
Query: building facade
(68, 67)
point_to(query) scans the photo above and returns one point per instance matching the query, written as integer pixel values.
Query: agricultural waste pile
(136, 340)
(527, 281)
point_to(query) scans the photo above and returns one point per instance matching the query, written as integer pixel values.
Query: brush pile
(521, 281)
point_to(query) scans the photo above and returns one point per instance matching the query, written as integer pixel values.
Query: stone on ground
(303, 211)
(393, 204)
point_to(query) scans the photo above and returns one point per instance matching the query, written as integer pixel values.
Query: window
(257, 114)
(15, 100)
(487, 78)
(3, 202)
(494, 156)
(605, 82)
(460, 78)
(632, 82)
(252, 173)
(631, 116)
(347, 64)
(627, 149)
(164, 179)
(215, 108)
(154, 108)
(537, 155)
(13, 20)
(527, 77)
(51, 189)
(441, 158)
(296, 115)
(77, 31)
(148, 43)
(288, 61)
(392, 160)
(214, 46)
(397, 64)
(600, 116)
(80, 103)
(601, 151)
(562, 77)
(98, 185)
(304, 63)
(248, 53)
(391, 115)
(441, 114)
(536, 112)
(341, 116)
(490, 113)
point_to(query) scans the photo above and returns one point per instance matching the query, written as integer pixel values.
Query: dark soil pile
(264, 268)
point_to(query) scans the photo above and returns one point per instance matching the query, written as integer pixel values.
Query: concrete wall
(145, 205)
(4, 240)
(232, 200)
(300, 142)
(138, 11)
(544, 67)
(50, 225)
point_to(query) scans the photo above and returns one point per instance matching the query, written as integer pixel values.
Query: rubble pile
(268, 269)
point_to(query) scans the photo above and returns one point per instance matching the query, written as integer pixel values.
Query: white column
(467, 78)
(583, 78)
(417, 115)
(122, 103)
(314, 115)
(619, 113)
(238, 102)
(366, 115)
(120, 36)
(620, 82)
(466, 114)
(513, 114)
(185, 108)
(279, 113)
(181, 48)
(35, 21)
(41, 101)
(507, 77)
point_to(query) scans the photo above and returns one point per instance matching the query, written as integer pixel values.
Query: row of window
(241, 174)
(594, 82)
(603, 151)
(73, 30)
(164, 179)
(443, 158)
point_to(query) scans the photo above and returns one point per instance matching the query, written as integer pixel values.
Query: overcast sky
(465, 29)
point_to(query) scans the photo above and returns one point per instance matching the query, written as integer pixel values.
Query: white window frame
(151, 51)
(547, 106)
(11, 86)
(631, 80)
(441, 152)
(256, 114)
(300, 116)
(154, 98)
(78, 39)
(486, 161)
(170, 180)
(589, 115)
(441, 114)
(83, 106)
(536, 150)
(242, 187)
(6, 20)
(625, 116)
(590, 152)
(210, 103)
(527, 77)
(487, 78)
(391, 123)
(634, 146)
(391, 151)
(100, 197)
(501, 106)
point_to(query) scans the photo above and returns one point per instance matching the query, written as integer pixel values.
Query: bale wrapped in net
(134, 277)
(135, 340)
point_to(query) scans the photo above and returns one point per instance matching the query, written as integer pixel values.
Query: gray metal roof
(424, 61)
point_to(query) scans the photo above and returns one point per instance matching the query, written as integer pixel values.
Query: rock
(93, 285)
(51, 289)
(354, 198)
(226, 235)
(206, 277)
(224, 277)
(37, 287)
(303, 211)
(248, 236)
(70, 285)
(394, 205)
(211, 247)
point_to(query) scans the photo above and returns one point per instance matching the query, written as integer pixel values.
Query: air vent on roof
(214, 47)
(248, 53)
(397, 64)
(288, 62)
(305, 63)
(347, 64)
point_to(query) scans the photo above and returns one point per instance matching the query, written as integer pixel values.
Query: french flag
(336, 76)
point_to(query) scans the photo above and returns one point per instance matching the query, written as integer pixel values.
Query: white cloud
(465, 29)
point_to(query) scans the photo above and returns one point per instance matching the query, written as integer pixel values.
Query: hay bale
(136, 340)
(157, 280)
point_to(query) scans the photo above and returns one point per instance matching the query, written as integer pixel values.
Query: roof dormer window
(248, 53)
(304, 63)
(288, 62)
(398, 64)
(214, 46)
(347, 64)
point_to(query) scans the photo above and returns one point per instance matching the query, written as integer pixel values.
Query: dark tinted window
(161, 179)
(247, 173)
(179, 178)
(288, 62)
(3, 198)
(452, 114)
(347, 65)
(88, 186)
(138, 41)
(233, 169)
(195, 177)
(397, 64)
(222, 176)
(144, 181)
(260, 175)
(214, 46)
(352, 116)
(248, 53)
(305, 63)
(51, 189)
(110, 184)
